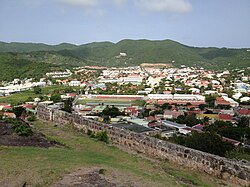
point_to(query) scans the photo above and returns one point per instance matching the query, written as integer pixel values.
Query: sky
(200, 23)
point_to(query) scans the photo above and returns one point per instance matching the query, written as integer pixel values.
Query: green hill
(29, 47)
(30, 56)
(165, 51)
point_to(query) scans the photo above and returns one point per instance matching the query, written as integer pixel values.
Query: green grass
(239, 155)
(21, 97)
(41, 167)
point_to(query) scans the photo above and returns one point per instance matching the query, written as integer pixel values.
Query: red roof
(86, 109)
(225, 117)
(151, 124)
(221, 101)
(27, 106)
(7, 107)
(194, 103)
(198, 127)
(244, 112)
(71, 95)
(4, 104)
(150, 118)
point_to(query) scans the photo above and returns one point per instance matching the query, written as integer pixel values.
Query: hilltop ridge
(106, 53)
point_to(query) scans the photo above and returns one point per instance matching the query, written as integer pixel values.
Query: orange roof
(221, 101)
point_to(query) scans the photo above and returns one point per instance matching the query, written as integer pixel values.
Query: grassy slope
(40, 167)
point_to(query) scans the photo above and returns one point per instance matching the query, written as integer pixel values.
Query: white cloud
(99, 6)
(83, 3)
(169, 6)
(91, 3)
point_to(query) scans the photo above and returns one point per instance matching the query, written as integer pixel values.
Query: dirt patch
(99, 177)
(9, 138)
(87, 177)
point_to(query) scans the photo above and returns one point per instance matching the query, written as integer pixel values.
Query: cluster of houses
(196, 82)
(18, 85)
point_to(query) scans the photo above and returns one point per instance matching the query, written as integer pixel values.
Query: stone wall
(236, 172)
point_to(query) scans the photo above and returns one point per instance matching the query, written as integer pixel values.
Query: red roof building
(225, 117)
(221, 101)
(131, 111)
(198, 127)
(150, 118)
(243, 112)
(6, 107)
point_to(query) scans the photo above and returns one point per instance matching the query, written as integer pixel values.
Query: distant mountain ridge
(107, 54)
(18, 47)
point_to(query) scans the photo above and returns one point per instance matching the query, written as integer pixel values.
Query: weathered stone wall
(227, 169)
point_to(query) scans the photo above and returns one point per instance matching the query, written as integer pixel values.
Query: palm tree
(205, 121)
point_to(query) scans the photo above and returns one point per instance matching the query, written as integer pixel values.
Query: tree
(191, 120)
(18, 111)
(111, 111)
(56, 98)
(202, 106)
(164, 106)
(244, 121)
(68, 105)
(145, 113)
(217, 126)
(205, 120)
(37, 90)
(207, 142)
(210, 99)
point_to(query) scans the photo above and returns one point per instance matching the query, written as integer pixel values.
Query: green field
(21, 97)
(41, 166)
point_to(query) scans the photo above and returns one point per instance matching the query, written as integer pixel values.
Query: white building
(75, 83)
(183, 97)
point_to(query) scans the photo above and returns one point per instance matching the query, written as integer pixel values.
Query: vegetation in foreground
(41, 167)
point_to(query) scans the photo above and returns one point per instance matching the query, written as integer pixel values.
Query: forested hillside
(23, 59)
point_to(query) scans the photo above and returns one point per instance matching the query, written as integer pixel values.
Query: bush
(31, 118)
(22, 129)
(101, 136)
(19, 127)
(91, 134)
(37, 90)
(18, 111)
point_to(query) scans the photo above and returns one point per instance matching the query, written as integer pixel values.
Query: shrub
(101, 136)
(20, 128)
(23, 130)
(31, 118)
